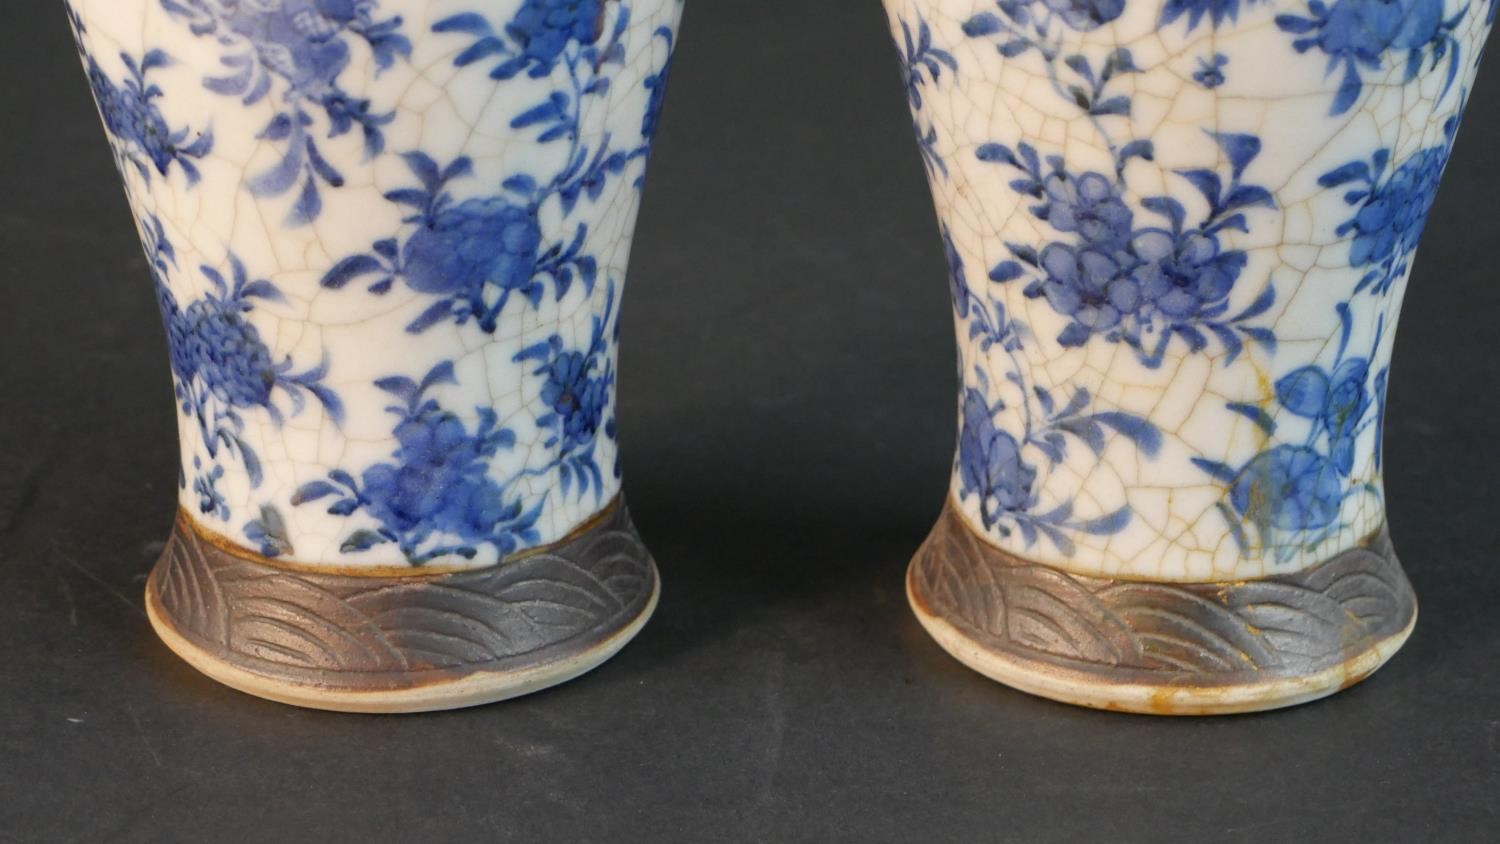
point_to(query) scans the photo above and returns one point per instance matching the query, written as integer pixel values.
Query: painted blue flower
(990, 464)
(1184, 275)
(1125, 282)
(1392, 210)
(477, 242)
(1210, 72)
(303, 44)
(1300, 487)
(1358, 34)
(1089, 205)
(435, 496)
(542, 29)
(1089, 286)
(1291, 488)
(1217, 11)
(132, 116)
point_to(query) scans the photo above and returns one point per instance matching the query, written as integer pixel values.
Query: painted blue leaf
(1219, 471)
(362, 540)
(314, 491)
(984, 23)
(1239, 149)
(349, 269)
(1144, 434)
(468, 22)
(1354, 171)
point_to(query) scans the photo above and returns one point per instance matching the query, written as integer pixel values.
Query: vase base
(1161, 648)
(406, 643)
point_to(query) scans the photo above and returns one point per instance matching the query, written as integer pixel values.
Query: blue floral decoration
(1210, 72)
(922, 63)
(296, 51)
(1358, 34)
(221, 365)
(999, 468)
(436, 496)
(1392, 206)
(1299, 487)
(472, 256)
(1141, 284)
(132, 114)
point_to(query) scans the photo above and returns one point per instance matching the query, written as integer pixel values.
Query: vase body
(389, 239)
(1179, 235)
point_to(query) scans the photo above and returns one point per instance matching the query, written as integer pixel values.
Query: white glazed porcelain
(1157, 386)
(353, 208)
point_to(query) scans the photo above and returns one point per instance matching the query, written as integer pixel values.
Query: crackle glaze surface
(388, 239)
(1179, 236)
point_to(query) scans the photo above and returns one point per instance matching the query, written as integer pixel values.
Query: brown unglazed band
(409, 642)
(1157, 647)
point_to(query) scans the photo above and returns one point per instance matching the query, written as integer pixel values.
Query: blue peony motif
(303, 44)
(990, 463)
(577, 388)
(132, 115)
(1358, 34)
(1392, 208)
(1299, 488)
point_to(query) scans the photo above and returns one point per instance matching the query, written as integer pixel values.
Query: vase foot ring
(1162, 648)
(404, 643)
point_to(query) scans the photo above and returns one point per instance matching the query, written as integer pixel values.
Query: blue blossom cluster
(472, 256)
(303, 44)
(1126, 281)
(133, 118)
(1300, 487)
(1360, 35)
(1392, 208)
(436, 497)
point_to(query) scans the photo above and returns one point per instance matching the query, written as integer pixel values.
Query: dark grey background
(787, 408)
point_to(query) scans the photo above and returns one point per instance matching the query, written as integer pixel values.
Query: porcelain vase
(388, 239)
(1179, 234)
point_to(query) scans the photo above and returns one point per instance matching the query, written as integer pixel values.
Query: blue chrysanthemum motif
(132, 115)
(223, 370)
(296, 52)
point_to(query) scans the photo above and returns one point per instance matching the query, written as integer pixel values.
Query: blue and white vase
(1179, 235)
(389, 240)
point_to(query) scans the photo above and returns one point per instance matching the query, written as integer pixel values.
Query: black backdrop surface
(787, 414)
